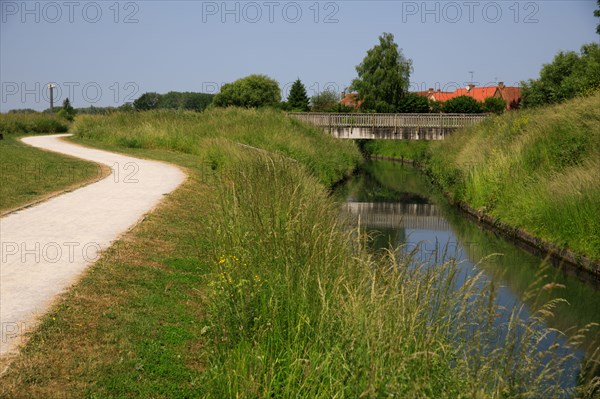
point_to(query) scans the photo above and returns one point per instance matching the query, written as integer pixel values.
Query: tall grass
(24, 123)
(188, 132)
(538, 170)
(297, 307)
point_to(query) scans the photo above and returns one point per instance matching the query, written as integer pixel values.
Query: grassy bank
(194, 133)
(27, 174)
(536, 170)
(243, 283)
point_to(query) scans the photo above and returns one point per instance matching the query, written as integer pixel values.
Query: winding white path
(43, 249)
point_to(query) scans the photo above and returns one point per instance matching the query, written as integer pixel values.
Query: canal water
(401, 209)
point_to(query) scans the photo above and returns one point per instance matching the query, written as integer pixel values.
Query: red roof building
(351, 100)
(512, 95)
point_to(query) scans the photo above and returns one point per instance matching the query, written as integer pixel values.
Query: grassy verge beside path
(27, 174)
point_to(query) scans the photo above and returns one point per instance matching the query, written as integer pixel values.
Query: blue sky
(104, 53)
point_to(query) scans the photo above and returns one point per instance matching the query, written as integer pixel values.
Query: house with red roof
(512, 95)
(351, 100)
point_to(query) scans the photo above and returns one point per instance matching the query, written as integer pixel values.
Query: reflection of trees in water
(388, 182)
(385, 238)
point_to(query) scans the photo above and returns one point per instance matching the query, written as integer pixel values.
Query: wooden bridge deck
(389, 126)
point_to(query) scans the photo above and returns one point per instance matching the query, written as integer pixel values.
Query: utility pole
(51, 88)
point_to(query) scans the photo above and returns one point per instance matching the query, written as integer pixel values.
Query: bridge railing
(332, 120)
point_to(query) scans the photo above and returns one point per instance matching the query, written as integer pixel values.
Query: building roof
(351, 100)
(512, 95)
(478, 93)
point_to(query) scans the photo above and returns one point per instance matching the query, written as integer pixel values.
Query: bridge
(389, 126)
(397, 215)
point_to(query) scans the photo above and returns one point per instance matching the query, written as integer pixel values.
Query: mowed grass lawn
(28, 174)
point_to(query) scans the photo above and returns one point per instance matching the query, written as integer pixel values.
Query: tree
(298, 100)
(147, 101)
(463, 105)
(383, 76)
(494, 104)
(413, 103)
(67, 111)
(197, 101)
(597, 15)
(325, 101)
(249, 92)
(570, 74)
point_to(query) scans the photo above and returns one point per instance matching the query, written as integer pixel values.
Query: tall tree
(383, 76)
(297, 99)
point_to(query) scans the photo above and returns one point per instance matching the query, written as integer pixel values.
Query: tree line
(381, 86)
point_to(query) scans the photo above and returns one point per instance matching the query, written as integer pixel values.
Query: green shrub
(250, 92)
(462, 105)
(494, 104)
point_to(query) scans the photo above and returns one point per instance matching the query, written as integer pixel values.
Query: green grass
(31, 123)
(191, 132)
(537, 170)
(28, 174)
(246, 283)
(399, 149)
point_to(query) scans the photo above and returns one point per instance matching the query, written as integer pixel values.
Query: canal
(401, 209)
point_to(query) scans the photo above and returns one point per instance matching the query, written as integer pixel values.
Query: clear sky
(105, 53)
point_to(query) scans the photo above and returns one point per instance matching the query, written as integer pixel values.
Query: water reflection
(400, 207)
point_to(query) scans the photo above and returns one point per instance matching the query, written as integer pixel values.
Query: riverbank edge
(534, 244)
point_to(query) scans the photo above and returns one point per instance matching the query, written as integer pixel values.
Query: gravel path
(45, 248)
